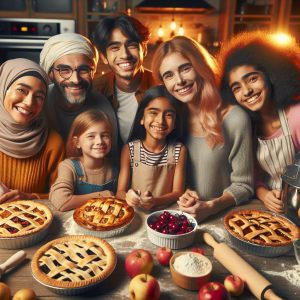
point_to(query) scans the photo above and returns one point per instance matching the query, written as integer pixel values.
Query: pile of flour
(190, 264)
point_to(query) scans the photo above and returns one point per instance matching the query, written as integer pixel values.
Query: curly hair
(279, 62)
(205, 66)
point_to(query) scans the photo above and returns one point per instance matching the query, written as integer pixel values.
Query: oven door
(24, 48)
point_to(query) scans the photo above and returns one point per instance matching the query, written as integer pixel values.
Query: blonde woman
(218, 136)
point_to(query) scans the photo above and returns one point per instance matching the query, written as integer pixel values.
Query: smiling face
(124, 56)
(180, 78)
(25, 98)
(95, 142)
(249, 87)
(159, 119)
(76, 87)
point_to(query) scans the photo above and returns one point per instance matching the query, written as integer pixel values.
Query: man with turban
(122, 42)
(70, 60)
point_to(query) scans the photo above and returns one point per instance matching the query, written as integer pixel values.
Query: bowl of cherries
(171, 228)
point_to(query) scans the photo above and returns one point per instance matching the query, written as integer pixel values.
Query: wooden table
(281, 271)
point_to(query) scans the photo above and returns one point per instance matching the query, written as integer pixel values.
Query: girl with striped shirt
(153, 162)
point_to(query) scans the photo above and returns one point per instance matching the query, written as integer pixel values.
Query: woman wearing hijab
(29, 152)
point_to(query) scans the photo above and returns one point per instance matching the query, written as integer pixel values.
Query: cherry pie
(103, 214)
(23, 217)
(73, 262)
(261, 227)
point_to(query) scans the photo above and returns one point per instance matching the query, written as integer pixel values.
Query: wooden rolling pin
(259, 286)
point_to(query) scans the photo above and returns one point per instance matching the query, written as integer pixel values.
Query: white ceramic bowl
(171, 241)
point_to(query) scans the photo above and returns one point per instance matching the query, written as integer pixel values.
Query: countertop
(283, 272)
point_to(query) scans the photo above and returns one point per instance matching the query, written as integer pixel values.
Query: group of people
(196, 130)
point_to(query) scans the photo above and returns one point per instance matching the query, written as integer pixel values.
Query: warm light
(181, 30)
(128, 11)
(282, 38)
(173, 25)
(24, 28)
(160, 31)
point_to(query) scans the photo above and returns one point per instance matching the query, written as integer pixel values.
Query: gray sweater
(224, 168)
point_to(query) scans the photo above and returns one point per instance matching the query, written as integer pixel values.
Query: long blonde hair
(206, 68)
(80, 125)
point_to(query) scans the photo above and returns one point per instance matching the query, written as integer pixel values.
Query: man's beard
(73, 100)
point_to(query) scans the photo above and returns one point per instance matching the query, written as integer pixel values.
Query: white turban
(66, 43)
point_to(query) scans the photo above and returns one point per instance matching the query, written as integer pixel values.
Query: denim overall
(83, 187)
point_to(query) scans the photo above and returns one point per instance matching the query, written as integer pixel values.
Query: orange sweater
(34, 174)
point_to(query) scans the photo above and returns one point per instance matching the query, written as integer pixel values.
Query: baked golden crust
(73, 262)
(23, 217)
(261, 227)
(103, 214)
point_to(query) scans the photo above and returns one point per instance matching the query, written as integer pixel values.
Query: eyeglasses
(66, 72)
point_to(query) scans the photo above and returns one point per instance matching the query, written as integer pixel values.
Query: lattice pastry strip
(22, 217)
(63, 259)
(103, 214)
(261, 227)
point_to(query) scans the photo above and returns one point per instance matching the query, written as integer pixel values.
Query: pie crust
(23, 217)
(103, 214)
(261, 227)
(73, 262)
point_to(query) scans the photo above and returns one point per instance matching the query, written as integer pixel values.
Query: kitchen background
(210, 22)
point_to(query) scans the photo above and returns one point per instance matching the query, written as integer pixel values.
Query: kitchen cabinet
(94, 10)
(56, 9)
(244, 15)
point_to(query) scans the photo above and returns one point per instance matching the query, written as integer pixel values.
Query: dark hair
(280, 64)
(129, 26)
(138, 131)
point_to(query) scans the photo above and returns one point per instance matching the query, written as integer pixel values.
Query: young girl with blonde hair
(88, 172)
(218, 136)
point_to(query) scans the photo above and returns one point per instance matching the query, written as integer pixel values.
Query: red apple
(234, 285)
(198, 250)
(213, 291)
(144, 287)
(164, 255)
(138, 261)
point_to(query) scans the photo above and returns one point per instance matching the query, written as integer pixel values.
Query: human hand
(200, 210)
(272, 201)
(3, 189)
(147, 200)
(188, 199)
(13, 195)
(133, 198)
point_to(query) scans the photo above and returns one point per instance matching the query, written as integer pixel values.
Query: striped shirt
(154, 159)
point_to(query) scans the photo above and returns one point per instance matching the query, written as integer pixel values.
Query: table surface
(283, 272)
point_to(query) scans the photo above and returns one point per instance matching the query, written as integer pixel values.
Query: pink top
(293, 118)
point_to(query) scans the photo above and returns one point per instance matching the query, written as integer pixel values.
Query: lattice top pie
(103, 214)
(73, 261)
(261, 227)
(23, 217)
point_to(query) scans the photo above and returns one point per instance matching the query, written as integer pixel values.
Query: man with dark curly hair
(263, 76)
(122, 42)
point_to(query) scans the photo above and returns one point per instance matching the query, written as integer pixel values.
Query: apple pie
(23, 217)
(73, 262)
(261, 227)
(103, 214)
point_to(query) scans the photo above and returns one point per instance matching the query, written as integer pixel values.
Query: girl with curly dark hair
(263, 76)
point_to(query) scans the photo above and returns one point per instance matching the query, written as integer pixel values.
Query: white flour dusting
(293, 276)
(191, 265)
